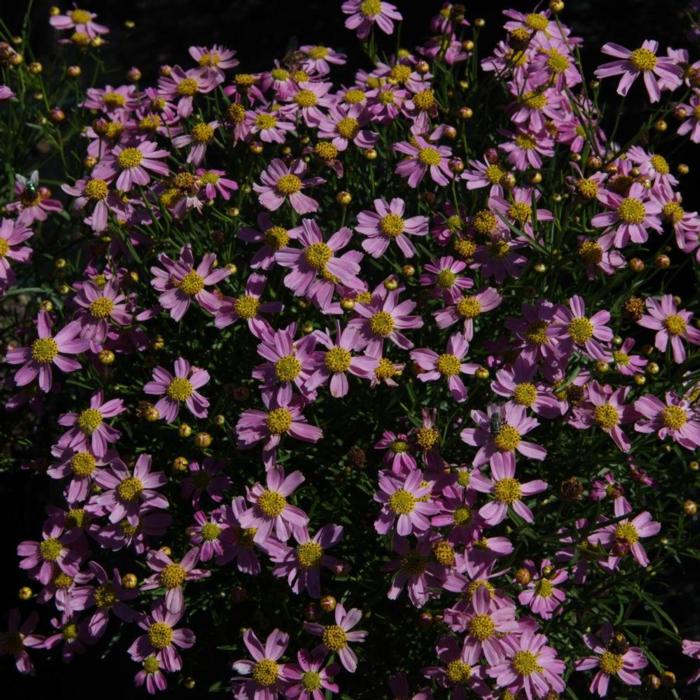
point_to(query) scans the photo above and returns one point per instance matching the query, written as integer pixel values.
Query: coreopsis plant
(384, 385)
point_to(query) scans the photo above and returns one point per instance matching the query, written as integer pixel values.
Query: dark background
(260, 30)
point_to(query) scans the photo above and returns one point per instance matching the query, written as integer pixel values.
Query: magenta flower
(214, 59)
(108, 595)
(208, 533)
(336, 638)
(19, 637)
(281, 182)
(626, 363)
(161, 640)
(5, 93)
(301, 564)
(183, 85)
(414, 570)
(691, 124)
(131, 165)
(530, 666)
(12, 235)
(499, 431)
(88, 431)
(671, 324)
(239, 545)
(404, 504)
(78, 464)
(273, 238)
(542, 595)
(447, 366)
(267, 676)
(248, 307)
(171, 575)
(81, 21)
(101, 198)
(423, 157)
(101, 305)
(364, 14)
(388, 224)
(659, 73)
(526, 151)
(125, 492)
(179, 389)
(200, 136)
(692, 649)
(383, 318)
(206, 478)
(611, 660)
(308, 678)
(590, 334)
(459, 674)
(675, 418)
(47, 350)
(343, 126)
(213, 184)
(33, 203)
(271, 509)
(506, 490)
(43, 560)
(466, 308)
(269, 124)
(517, 383)
(444, 275)
(181, 282)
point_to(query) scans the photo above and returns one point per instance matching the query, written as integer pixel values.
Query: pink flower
(343, 126)
(12, 235)
(43, 560)
(387, 225)
(19, 637)
(499, 433)
(46, 350)
(183, 85)
(34, 203)
(590, 334)
(444, 275)
(179, 389)
(181, 282)
(612, 660)
(506, 490)
(208, 534)
(273, 238)
(214, 59)
(268, 677)
(414, 570)
(5, 92)
(422, 157)
(530, 666)
(282, 182)
(467, 308)
(448, 365)
(458, 672)
(171, 575)
(81, 21)
(131, 164)
(214, 183)
(675, 418)
(625, 363)
(691, 123)
(336, 638)
(200, 136)
(364, 14)
(101, 305)
(403, 504)
(516, 383)
(692, 649)
(248, 307)
(671, 324)
(308, 679)
(659, 73)
(542, 595)
(98, 195)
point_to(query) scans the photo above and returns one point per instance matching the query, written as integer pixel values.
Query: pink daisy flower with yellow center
(459, 674)
(171, 575)
(364, 14)
(307, 679)
(131, 165)
(280, 182)
(467, 308)
(405, 502)
(589, 334)
(387, 224)
(248, 307)
(267, 677)
(675, 418)
(12, 235)
(422, 157)
(199, 137)
(178, 389)
(81, 21)
(336, 638)
(671, 324)
(542, 595)
(183, 85)
(19, 637)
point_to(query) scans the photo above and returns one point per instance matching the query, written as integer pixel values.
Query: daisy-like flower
(301, 564)
(271, 510)
(162, 640)
(96, 194)
(448, 365)
(280, 418)
(445, 278)
(216, 58)
(526, 150)
(383, 318)
(267, 677)
(343, 126)
(364, 14)
(205, 477)
(5, 93)
(307, 679)
(626, 363)
(691, 123)
(387, 224)
(459, 673)
(590, 334)
(624, 537)
(271, 125)
(499, 432)
(215, 183)
(34, 203)
(675, 418)
(319, 59)
(336, 638)
(88, 429)
(125, 493)
(484, 173)
(466, 308)
(542, 595)
(178, 389)
(248, 307)
(54, 554)
(48, 350)
(614, 658)
(108, 595)
(183, 85)
(506, 490)
(199, 137)
(414, 569)
(208, 534)
(272, 237)
(12, 236)
(423, 157)
(78, 464)
(605, 408)
(671, 324)
(181, 282)
(19, 637)
(281, 182)
(404, 504)
(80, 21)
(691, 648)
(658, 72)
(530, 666)
(629, 217)
(171, 575)
(131, 164)
(517, 384)
(102, 305)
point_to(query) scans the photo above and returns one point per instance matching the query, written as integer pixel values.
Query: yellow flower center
(521, 212)
(288, 184)
(381, 324)
(44, 350)
(337, 360)
(101, 307)
(534, 100)
(311, 680)
(354, 96)
(424, 100)
(448, 365)
(536, 332)
(279, 420)
(191, 284)
(130, 158)
(265, 121)
(265, 673)
(75, 517)
(673, 212)
(105, 596)
(507, 438)
(580, 330)
(556, 62)
(272, 503)
(50, 549)
(334, 637)
(631, 211)
(160, 635)
(325, 150)
(202, 133)
(180, 389)
(469, 307)
(643, 59)
(626, 532)
(462, 515)
(113, 99)
(385, 369)
(481, 626)
(537, 21)
(348, 127)
(485, 222)
(370, 8)
(493, 174)
(391, 225)
(244, 79)
(317, 255)
(587, 188)
(675, 324)
(187, 87)
(309, 555)
(446, 279)
(96, 189)
(525, 143)
(210, 531)
(525, 663)
(621, 358)
(610, 663)
(475, 585)
(306, 98)
(507, 490)
(276, 237)
(674, 417)
(82, 464)
(464, 248)
(525, 394)
(444, 553)
(172, 576)
(70, 632)
(429, 156)
(246, 306)
(130, 489)
(399, 446)
(544, 588)
(458, 672)
(427, 437)
(402, 502)
(208, 60)
(606, 416)
(4, 247)
(590, 252)
(80, 16)
(400, 73)
(287, 368)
